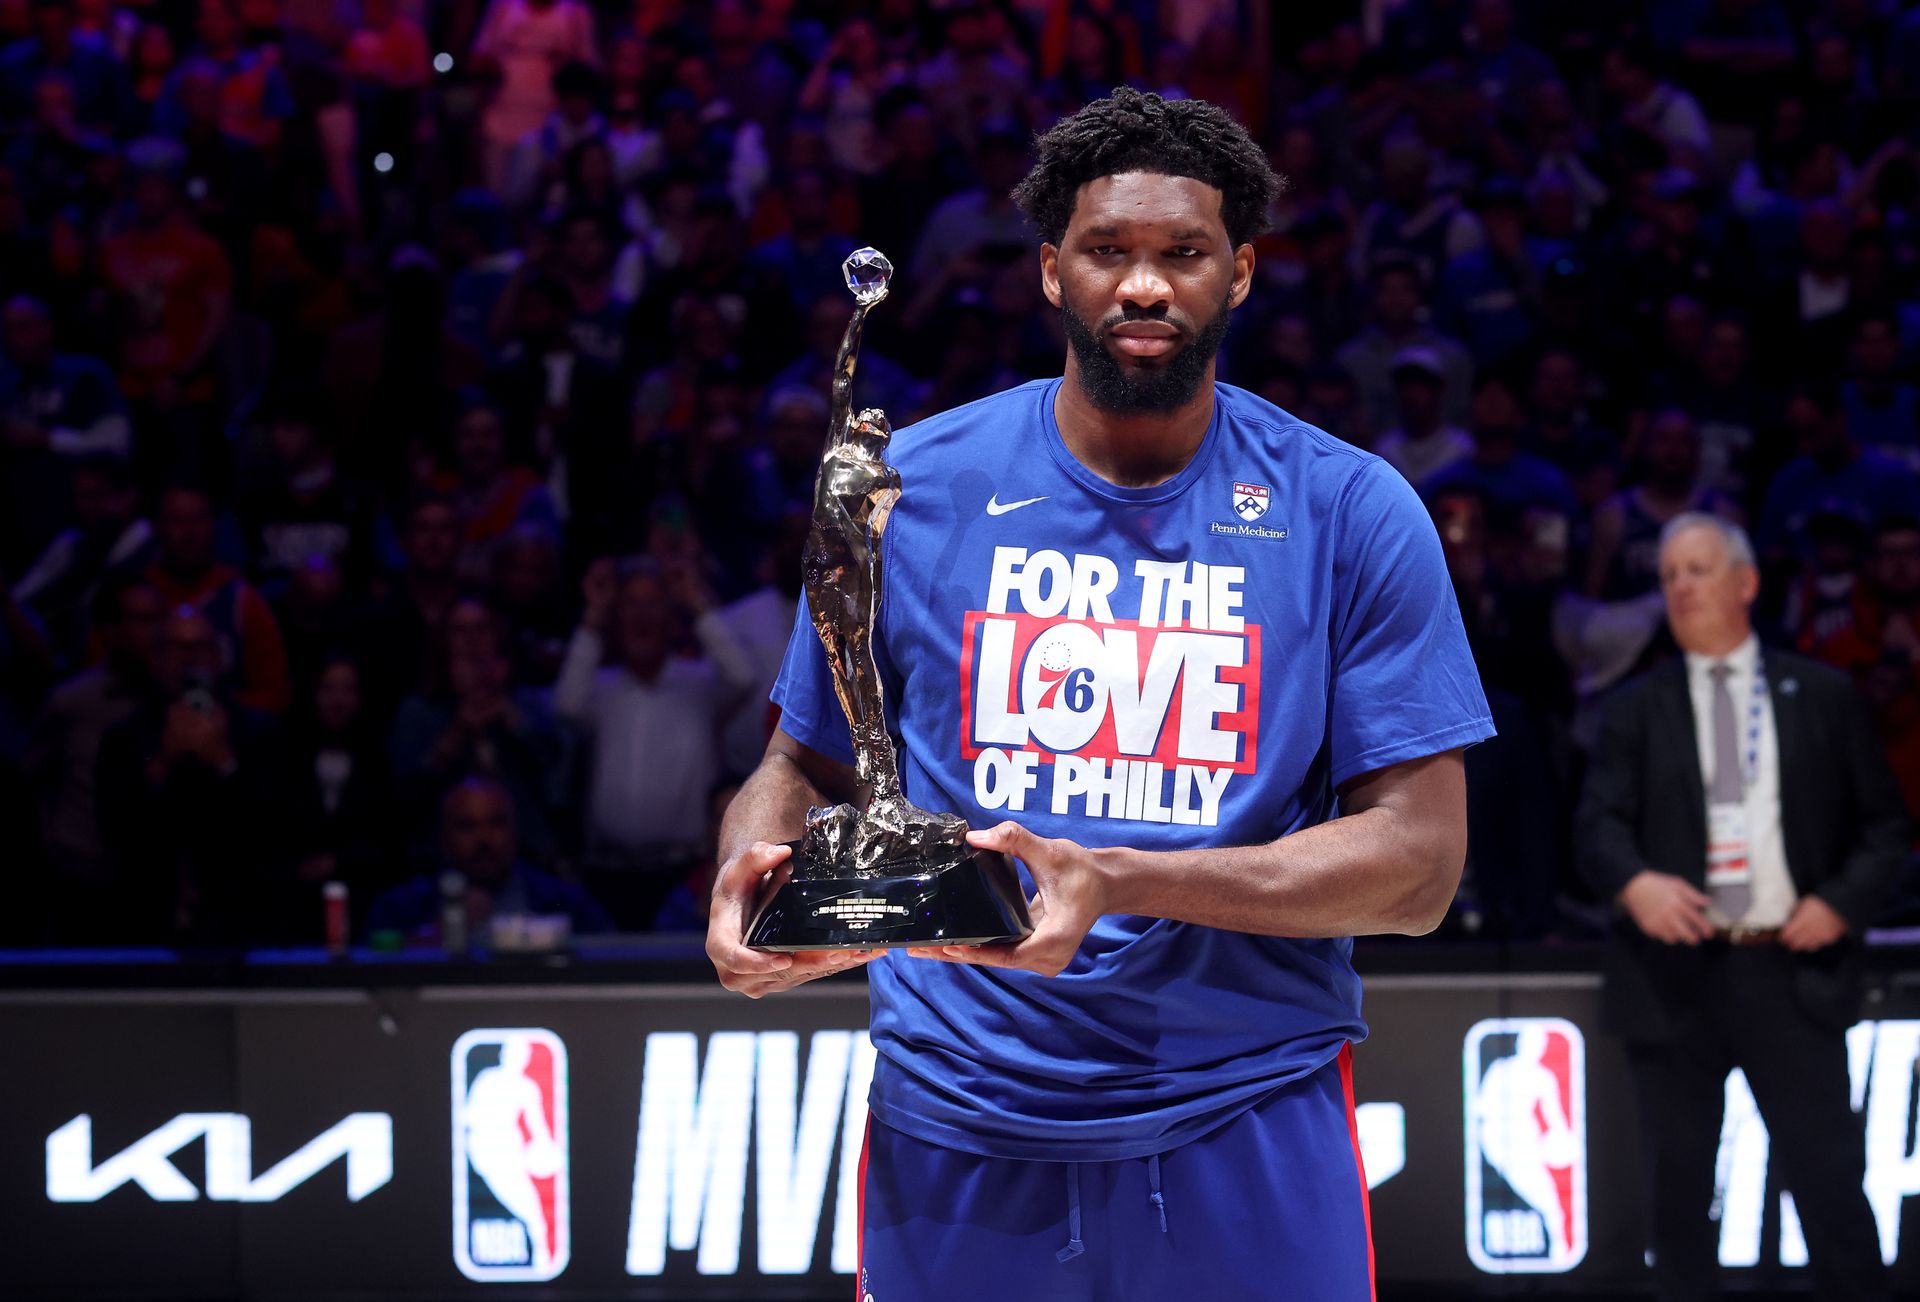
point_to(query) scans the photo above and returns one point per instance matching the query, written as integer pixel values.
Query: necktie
(1729, 786)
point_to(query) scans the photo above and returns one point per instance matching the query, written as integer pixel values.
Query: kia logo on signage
(364, 1139)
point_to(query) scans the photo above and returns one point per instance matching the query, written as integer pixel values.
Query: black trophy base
(976, 901)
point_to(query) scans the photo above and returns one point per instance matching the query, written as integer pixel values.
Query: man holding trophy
(1192, 673)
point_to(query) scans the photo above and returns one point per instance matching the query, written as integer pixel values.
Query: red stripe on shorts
(1359, 1163)
(860, 1220)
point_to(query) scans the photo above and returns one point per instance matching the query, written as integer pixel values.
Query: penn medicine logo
(1526, 1127)
(1145, 719)
(511, 1220)
(1250, 501)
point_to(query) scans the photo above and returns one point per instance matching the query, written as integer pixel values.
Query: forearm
(573, 687)
(1375, 871)
(110, 433)
(771, 806)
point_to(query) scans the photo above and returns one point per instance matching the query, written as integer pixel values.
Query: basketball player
(1197, 667)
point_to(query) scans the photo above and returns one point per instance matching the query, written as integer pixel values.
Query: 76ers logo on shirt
(1526, 1117)
(510, 1214)
(1145, 719)
(1250, 501)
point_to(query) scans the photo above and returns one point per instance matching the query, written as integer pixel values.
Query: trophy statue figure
(892, 874)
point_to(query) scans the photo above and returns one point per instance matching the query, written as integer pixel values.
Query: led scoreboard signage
(664, 1142)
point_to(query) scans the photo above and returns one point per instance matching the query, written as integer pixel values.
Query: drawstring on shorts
(1074, 1246)
(1155, 1197)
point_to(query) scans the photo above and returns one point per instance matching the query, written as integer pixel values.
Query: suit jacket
(1644, 806)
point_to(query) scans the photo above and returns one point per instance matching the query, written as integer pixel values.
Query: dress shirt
(1773, 892)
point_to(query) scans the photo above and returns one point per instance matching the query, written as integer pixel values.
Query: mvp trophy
(893, 874)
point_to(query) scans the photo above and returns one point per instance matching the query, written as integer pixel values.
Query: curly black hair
(1135, 131)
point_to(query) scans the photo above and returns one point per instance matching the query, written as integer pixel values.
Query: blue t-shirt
(1200, 663)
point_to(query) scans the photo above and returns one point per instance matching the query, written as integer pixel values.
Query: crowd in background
(409, 411)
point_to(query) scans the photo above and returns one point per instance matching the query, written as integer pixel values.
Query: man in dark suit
(1744, 822)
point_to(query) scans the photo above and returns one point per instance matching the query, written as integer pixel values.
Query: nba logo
(510, 1219)
(1526, 1115)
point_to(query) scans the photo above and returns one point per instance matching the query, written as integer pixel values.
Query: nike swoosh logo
(997, 507)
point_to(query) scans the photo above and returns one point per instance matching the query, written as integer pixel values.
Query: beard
(1138, 390)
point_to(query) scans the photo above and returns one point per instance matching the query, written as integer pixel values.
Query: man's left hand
(1070, 894)
(1814, 925)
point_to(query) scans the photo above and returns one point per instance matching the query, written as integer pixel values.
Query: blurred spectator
(1821, 592)
(534, 165)
(387, 373)
(803, 265)
(751, 79)
(483, 263)
(981, 217)
(169, 289)
(491, 494)
(843, 88)
(80, 60)
(1623, 560)
(333, 819)
(1511, 479)
(153, 58)
(320, 619)
(1564, 431)
(179, 799)
(1733, 407)
(557, 403)
(532, 602)
(64, 402)
(1807, 316)
(597, 321)
(255, 98)
(1880, 646)
(63, 758)
(652, 719)
(1667, 113)
(304, 508)
(524, 43)
(388, 49)
(1883, 410)
(480, 723)
(1420, 444)
(406, 622)
(1503, 68)
(59, 163)
(479, 843)
(918, 168)
(1411, 222)
(684, 911)
(1488, 295)
(1832, 473)
(760, 624)
(108, 535)
(252, 660)
(978, 74)
(880, 381)
(1399, 322)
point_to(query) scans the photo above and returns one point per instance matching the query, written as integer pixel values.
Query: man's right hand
(737, 888)
(598, 588)
(1670, 909)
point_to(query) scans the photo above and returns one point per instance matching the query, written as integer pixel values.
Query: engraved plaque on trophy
(891, 874)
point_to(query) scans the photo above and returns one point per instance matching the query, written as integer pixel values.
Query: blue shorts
(1271, 1205)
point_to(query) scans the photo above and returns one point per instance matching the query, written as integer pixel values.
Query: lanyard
(1750, 760)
